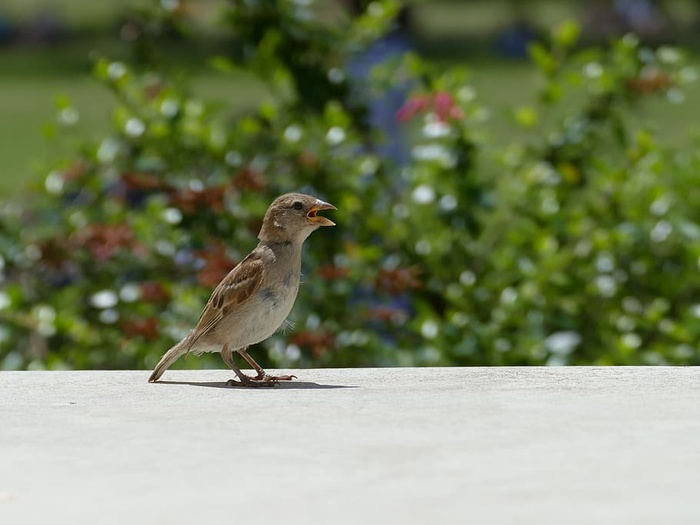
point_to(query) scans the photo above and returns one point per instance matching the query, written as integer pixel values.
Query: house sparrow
(255, 298)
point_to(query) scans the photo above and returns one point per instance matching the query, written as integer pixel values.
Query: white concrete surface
(430, 446)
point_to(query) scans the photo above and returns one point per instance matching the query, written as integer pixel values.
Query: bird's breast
(268, 309)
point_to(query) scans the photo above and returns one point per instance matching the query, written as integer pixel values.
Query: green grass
(505, 86)
(75, 13)
(483, 17)
(32, 78)
(441, 16)
(27, 104)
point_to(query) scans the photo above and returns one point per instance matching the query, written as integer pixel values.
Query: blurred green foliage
(577, 245)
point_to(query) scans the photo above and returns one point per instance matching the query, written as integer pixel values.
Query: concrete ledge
(429, 446)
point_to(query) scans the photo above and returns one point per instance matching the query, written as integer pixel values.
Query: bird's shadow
(282, 385)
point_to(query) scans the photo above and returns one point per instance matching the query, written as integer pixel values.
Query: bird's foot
(251, 382)
(264, 376)
(263, 379)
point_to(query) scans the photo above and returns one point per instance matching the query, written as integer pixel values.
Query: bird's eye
(297, 205)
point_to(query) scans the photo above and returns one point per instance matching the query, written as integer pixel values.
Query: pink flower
(442, 103)
(413, 105)
(456, 113)
(445, 107)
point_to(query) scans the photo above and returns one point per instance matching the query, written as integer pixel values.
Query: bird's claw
(266, 377)
(259, 380)
(250, 383)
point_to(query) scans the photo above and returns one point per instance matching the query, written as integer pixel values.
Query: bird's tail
(170, 357)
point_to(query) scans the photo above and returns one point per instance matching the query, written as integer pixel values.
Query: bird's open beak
(318, 219)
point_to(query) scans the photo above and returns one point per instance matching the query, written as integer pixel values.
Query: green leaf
(268, 111)
(566, 33)
(222, 63)
(62, 102)
(526, 116)
(542, 58)
(49, 131)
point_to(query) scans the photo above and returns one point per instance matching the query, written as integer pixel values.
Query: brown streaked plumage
(255, 298)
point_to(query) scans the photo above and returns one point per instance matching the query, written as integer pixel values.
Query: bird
(253, 301)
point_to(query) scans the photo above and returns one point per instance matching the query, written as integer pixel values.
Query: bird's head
(292, 217)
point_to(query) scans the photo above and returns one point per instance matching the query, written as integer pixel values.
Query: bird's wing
(234, 290)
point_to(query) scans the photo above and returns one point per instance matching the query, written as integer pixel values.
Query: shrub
(577, 244)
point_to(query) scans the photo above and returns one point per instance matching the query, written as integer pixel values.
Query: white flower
(429, 329)
(134, 127)
(562, 342)
(104, 299)
(423, 194)
(335, 135)
(293, 133)
(116, 70)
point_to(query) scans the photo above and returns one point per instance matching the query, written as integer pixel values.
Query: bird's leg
(252, 363)
(262, 375)
(244, 380)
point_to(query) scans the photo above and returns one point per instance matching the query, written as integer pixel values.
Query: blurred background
(47, 47)
(517, 182)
